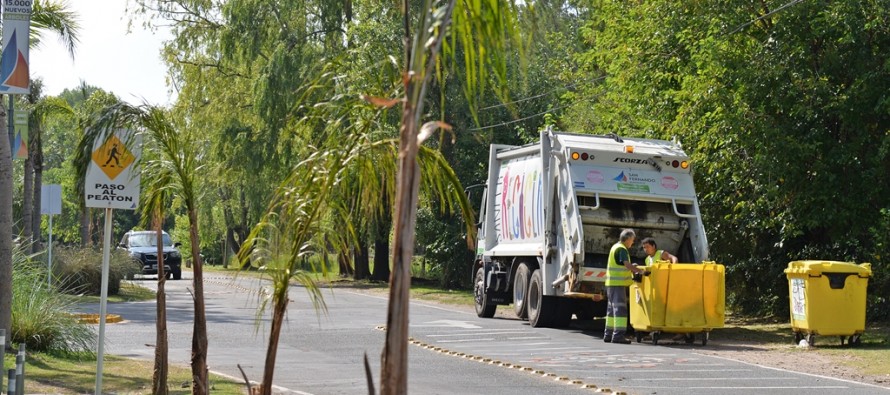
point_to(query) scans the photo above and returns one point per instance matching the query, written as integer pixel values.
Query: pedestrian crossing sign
(113, 157)
(113, 177)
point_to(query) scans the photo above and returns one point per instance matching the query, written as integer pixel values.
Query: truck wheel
(540, 309)
(520, 291)
(177, 274)
(484, 308)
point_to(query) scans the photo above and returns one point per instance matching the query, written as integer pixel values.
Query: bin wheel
(844, 338)
(639, 337)
(856, 340)
(797, 338)
(655, 337)
(704, 338)
(811, 340)
(690, 338)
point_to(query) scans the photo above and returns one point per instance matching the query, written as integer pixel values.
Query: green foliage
(41, 314)
(785, 114)
(79, 270)
(443, 238)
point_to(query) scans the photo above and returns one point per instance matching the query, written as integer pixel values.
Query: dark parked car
(143, 247)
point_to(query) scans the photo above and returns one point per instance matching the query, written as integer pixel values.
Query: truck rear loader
(551, 210)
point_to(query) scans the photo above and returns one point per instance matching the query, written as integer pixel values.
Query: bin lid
(813, 267)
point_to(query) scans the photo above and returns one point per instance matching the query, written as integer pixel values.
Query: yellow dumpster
(683, 298)
(827, 299)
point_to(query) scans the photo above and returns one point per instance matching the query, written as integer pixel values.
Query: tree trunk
(199, 332)
(5, 229)
(360, 257)
(381, 243)
(84, 225)
(394, 364)
(272, 351)
(381, 258)
(159, 380)
(27, 202)
(344, 264)
(37, 162)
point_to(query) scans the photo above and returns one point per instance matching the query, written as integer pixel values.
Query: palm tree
(153, 210)
(321, 196)
(45, 16)
(41, 107)
(482, 28)
(174, 170)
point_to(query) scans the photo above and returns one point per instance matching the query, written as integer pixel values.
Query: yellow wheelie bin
(827, 299)
(682, 298)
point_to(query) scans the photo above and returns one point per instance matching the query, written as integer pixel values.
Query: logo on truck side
(521, 205)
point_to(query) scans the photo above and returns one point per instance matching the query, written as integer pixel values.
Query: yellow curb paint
(94, 318)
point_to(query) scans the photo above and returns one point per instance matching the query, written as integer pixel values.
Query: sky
(108, 56)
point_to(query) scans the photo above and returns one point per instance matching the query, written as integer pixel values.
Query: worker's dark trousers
(616, 313)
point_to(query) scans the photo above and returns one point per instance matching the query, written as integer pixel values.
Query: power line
(530, 116)
(737, 29)
(749, 23)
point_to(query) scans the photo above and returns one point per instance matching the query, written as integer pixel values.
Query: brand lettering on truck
(632, 160)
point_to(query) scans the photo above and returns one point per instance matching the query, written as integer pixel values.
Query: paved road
(454, 352)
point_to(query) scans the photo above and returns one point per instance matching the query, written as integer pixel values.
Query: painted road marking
(449, 324)
(474, 334)
(714, 378)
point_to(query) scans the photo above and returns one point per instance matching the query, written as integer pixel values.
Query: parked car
(143, 247)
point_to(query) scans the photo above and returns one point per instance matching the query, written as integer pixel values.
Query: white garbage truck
(551, 210)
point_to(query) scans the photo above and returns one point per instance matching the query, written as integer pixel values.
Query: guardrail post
(19, 380)
(11, 390)
(2, 354)
(20, 373)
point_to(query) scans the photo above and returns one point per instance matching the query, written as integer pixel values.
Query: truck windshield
(148, 240)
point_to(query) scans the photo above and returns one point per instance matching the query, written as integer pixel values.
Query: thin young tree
(154, 200)
(178, 160)
(483, 29)
(322, 196)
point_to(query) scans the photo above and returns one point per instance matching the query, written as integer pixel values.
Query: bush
(79, 270)
(445, 248)
(40, 314)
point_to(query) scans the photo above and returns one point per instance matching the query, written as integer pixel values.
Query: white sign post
(50, 204)
(112, 182)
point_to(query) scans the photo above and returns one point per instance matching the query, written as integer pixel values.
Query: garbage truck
(551, 211)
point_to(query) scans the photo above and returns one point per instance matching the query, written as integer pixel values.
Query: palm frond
(56, 17)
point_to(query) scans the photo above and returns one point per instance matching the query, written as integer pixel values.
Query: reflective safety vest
(652, 259)
(616, 273)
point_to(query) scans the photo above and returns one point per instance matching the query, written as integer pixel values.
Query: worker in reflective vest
(653, 254)
(619, 276)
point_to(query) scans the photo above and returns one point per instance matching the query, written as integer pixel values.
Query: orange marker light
(629, 149)
(575, 156)
(684, 164)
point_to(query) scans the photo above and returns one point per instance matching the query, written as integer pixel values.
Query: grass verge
(51, 374)
(129, 292)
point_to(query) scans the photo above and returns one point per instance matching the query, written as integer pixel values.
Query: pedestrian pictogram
(113, 157)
